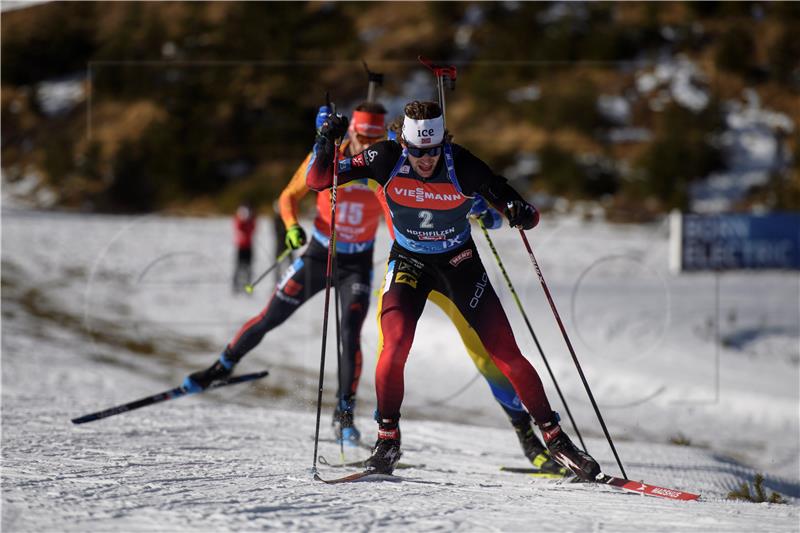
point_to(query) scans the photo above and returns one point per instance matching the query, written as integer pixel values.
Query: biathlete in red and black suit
(429, 184)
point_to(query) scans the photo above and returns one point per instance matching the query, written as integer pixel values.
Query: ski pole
(571, 349)
(250, 286)
(375, 80)
(329, 268)
(336, 305)
(335, 275)
(530, 328)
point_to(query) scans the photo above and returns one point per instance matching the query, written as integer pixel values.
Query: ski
(627, 485)
(360, 476)
(636, 487)
(171, 394)
(536, 472)
(360, 464)
(646, 489)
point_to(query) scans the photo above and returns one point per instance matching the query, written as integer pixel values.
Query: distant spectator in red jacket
(244, 226)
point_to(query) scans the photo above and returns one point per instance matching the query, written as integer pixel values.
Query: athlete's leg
(501, 388)
(354, 286)
(467, 285)
(304, 278)
(248, 267)
(237, 272)
(402, 300)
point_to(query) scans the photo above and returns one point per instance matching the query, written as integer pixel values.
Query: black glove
(334, 127)
(521, 214)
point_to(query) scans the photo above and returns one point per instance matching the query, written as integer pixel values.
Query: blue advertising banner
(735, 242)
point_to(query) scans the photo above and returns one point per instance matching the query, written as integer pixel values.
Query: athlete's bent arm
(375, 163)
(476, 177)
(291, 195)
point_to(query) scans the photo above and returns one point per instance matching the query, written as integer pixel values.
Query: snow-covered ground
(99, 310)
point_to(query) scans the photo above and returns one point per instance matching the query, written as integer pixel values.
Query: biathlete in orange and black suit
(358, 214)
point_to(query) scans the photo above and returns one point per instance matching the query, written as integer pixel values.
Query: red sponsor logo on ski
(466, 254)
(666, 492)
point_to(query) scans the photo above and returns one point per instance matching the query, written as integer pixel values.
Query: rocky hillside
(640, 107)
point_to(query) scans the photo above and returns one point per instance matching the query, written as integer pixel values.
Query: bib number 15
(350, 213)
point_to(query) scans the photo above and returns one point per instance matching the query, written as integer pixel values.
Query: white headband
(423, 133)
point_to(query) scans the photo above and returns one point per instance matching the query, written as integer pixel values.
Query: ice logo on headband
(425, 132)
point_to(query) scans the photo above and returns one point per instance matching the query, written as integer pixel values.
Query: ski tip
(86, 418)
(647, 489)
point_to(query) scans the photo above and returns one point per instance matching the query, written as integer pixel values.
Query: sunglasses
(433, 151)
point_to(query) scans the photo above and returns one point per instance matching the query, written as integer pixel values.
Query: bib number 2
(425, 219)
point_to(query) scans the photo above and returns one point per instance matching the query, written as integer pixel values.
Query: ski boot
(344, 429)
(566, 453)
(200, 380)
(535, 451)
(386, 453)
